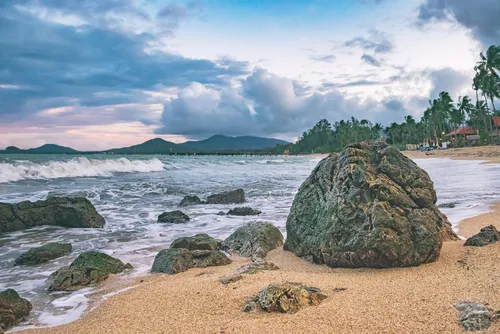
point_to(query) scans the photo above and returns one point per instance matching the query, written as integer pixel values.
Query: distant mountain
(52, 149)
(217, 143)
(44, 149)
(153, 146)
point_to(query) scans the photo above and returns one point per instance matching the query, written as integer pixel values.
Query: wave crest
(76, 167)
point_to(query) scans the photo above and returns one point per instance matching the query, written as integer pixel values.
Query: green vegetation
(441, 117)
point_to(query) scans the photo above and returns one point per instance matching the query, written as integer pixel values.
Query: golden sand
(400, 300)
(490, 154)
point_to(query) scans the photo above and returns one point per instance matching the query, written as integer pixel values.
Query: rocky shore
(367, 251)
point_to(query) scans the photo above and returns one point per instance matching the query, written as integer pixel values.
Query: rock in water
(13, 308)
(229, 197)
(199, 242)
(284, 298)
(488, 235)
(474, 316)
(57, 211)
(89, 268)
(173, 217)
(368, 206)
(190, 200)
(44, 253)
(176, 260)
(244, 211)
(254, 240)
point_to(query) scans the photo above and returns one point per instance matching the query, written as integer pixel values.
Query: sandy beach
(491, 154)
(402, 300)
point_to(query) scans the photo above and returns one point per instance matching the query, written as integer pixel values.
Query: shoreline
(376, 300)
(490, 154)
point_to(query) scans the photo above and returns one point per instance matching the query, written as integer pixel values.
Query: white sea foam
(76, 167)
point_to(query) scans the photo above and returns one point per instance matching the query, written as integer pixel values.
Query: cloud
(377, 43)
(481, 16)
(323, 58)
(264, 104)
(370, 60)
(55, 65)
(447, 79)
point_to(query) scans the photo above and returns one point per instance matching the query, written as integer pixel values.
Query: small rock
(447, 205)
(190, 200)
(175, 260)
(474, 316)
(243, 211)
(230, 279)
(173, 217)
(221, 213)
(284, 298)
(13, 309)
(228, 197)
(488, 235)
(254, 240)
(256, 266)
(199, 241)
(44, 253)
(89, 268)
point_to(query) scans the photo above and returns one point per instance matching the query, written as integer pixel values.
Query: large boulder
(89, 268)
(197, 242)
(229, 197)
(368, 206)
(173, 217)
(244, 211)
(253, 240)
(57, 211)
(487, 235)
(284, 298)
(175, 260)
(45, 253)
(190, 200)
(13, 309)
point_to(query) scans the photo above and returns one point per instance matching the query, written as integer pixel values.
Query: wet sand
(401, 300)
(491, 154)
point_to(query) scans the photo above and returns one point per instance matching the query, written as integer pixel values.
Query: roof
(496, 120)
(463, 130)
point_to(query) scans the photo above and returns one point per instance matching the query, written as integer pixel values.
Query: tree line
(440, 118)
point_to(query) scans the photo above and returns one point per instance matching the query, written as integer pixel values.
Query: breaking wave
(76, 167)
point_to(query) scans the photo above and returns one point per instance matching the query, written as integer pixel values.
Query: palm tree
(491, 61)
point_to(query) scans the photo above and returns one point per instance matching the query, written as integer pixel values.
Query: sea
(131, 191)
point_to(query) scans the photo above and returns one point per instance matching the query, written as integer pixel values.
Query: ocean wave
(276, 161)
(76, 167)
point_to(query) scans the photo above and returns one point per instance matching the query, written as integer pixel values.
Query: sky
(98, 74)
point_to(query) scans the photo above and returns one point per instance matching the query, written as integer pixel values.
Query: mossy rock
(229, 197)
(198, 241)
(13, 308)
(89, 268)
(176, 260)
(44, 253)
(173, 217)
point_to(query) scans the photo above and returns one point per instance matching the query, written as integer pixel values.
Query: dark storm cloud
(481, 16)
(265, 104)
(370, 60)
(54, 65)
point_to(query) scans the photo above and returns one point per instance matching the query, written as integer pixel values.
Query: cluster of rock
(75, 212)
(368, 206)
(201, 250)
(229, 197)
